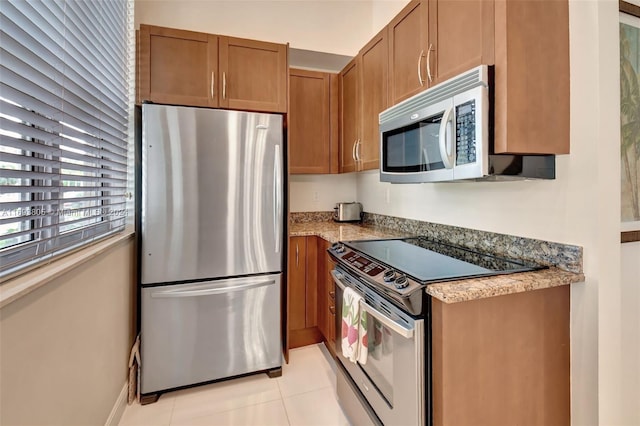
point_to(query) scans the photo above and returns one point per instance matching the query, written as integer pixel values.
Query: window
(65, 108)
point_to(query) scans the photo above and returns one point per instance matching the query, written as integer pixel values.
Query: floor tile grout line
(308, 391)
(235, 409)
(286, 413)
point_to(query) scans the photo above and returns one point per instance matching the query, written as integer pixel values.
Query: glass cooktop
(428, 261)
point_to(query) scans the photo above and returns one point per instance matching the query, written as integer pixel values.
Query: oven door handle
(407, 333)
(336, 278)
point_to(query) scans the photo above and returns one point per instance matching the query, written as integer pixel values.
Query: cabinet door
(310, 122)
(177, 67)
(333, 309)
(408, 48)
(323, 305)
(297, 283)
(532, 73)
(374, 65)
(461, 33)
(349, 116)
(253, 75)
(311, 283)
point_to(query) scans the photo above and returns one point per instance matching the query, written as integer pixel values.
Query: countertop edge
(501, 285)
(451, 291)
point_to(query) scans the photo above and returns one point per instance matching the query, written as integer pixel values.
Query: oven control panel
(363, 264)
(385, 277)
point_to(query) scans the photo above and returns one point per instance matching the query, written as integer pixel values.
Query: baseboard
(118, 408)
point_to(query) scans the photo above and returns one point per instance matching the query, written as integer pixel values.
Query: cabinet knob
(332, 309)
(332, 294)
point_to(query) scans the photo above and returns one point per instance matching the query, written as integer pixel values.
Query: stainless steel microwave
(442, 134)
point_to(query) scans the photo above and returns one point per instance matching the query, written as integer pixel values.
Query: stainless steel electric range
(393, 386)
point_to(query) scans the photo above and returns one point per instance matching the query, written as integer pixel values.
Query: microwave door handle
(447, 157)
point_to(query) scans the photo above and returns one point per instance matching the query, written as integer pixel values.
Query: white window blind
(65, 68)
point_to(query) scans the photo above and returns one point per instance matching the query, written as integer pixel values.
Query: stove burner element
(389, 275)
(401, 282)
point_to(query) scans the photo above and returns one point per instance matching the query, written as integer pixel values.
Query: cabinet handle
(420, 80)
(332, 294)
(353, 150)
(358, 150)
(332, 309)
(224, 85)
(429, 63)
(297, 254)
(213, 79)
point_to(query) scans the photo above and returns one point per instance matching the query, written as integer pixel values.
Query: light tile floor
(304, 395)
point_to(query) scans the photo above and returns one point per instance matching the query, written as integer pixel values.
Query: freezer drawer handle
(210, 291)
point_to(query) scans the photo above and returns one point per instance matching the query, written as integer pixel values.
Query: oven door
(392, 380)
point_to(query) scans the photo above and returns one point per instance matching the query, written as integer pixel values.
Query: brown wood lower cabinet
(302, 293)
(310, 293)
(502, 360)
(326, 296)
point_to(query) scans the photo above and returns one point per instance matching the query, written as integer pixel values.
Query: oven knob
(401, 282)
(389, 275)
(338, 247)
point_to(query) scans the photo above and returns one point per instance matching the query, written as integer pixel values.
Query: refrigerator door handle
(209, 291)
(277, 197)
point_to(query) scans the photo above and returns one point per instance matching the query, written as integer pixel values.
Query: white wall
(64, 348)
(311, 193)
(630, 311)
(383, 11)
(340, 27)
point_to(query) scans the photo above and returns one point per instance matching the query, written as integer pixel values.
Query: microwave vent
(473, 78)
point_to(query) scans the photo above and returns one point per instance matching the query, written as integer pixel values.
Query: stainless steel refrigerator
(211, 245)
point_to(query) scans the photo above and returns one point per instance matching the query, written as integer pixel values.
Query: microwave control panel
(466, 133)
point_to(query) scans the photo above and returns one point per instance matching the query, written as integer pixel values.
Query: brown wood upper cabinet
(363, 95)
(349, 115)
(408, 51)
(432, 41)
(531, 77)
(253, 74)
(374, 81)
(177, 67)
(313, 122)
(197, 69)
(460, 37)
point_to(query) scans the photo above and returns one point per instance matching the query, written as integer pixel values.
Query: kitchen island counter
(451, 291)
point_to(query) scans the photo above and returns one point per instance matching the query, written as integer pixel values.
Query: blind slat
(65, 100)
(21, 189)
